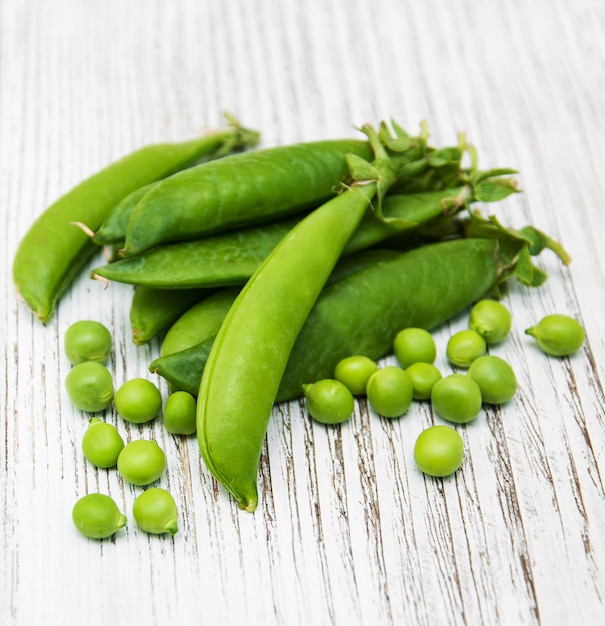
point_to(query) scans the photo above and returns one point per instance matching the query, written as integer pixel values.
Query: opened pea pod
(54, 248)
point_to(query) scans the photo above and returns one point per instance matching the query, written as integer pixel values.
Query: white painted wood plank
(348, 531)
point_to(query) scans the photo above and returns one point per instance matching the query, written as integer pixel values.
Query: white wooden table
(348, 531)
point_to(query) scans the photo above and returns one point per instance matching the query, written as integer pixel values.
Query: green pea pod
(231, 258)
(53, 250)
(113, 228)
(240, 190)
(151, 311)
(362, 312)
(250, 352)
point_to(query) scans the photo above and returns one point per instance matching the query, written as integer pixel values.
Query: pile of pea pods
(290, 271)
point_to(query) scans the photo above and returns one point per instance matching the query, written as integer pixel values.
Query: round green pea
(558, 334)
(155, 512)
(138, 401)
(89, 386)
(141, 462)
(491, 319)
(457, 398)
(464, 347)
(439, 451)
(390, 391)
(414, 345)
(495, 378)
(87, 340)
(329, 401)
(179, 413)
(97, 516)
(354, 372)
(424, 376)
(102, 443)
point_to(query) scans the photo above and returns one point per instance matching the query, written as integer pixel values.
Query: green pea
(89, 386)
(329, 401)
(558, 334)
(102, 443)
(97, 516)
(491, 319)
(141, 462)
(138, 400)
(87, 340)
(179, 413)
(464, 347)
(390, 391)
(439, 451)
(424, 376)
(414, 345)
(155, 512)
(495, 378)
(354, 372)
(457, 398)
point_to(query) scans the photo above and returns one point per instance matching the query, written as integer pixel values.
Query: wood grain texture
(347, 530)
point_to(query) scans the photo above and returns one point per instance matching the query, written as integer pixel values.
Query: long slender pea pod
(250, 352)
(362, 311)
(53, 250)
(231, 258)
(216, 261)
(151, 312)
(240, 190)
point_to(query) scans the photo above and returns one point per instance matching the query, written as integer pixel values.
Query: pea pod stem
(251, 349)
(52, 251)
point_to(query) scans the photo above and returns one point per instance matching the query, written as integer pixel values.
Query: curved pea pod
(54, 248)
(231, 258)
(250, 352)
(240, 190)
(217, 261)
(151, 312)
